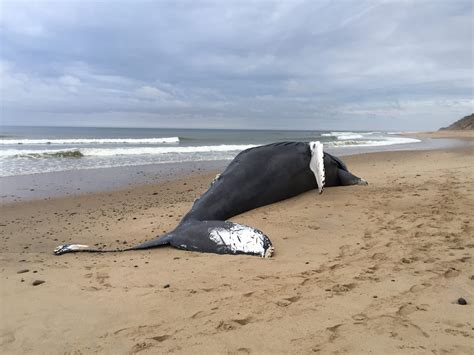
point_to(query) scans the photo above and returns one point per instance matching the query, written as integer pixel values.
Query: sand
(360, 269)
(458, 134)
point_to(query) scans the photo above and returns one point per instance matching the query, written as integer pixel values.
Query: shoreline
(52, 185)
(49, 185)
(384, 262)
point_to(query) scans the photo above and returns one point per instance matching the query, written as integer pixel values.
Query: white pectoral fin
(316, 163)
(242, 239)
(69, 248)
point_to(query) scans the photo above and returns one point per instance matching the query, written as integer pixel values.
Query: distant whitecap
(90, 141)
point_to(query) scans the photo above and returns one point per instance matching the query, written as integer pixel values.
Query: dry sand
(464, 134)
(361, 269)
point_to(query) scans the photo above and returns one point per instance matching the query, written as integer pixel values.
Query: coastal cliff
(465, 123)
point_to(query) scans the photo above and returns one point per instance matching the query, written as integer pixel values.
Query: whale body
(256, 177)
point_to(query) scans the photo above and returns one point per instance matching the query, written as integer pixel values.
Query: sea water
(33, 150)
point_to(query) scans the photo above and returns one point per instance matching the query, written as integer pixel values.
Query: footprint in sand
(201, 314)
(101, 277)
(140, 346)
(457, 332)
(452, 273)
(417, 288)
(305, 280)
(160, 338)
(335, 267)
(242, 321)
(379, 256)
(233, 324)
(333, 332)
(285, 302)
(406, 309)
(340, 289)
(225, 326)
(7, 338)
(359, 318)
(136, 330)
(347, 250)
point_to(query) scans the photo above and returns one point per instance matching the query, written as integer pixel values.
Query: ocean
(34, 150)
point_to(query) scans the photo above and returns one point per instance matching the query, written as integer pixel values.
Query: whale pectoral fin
(241, 239)
(70, 248)
(346, 179)
(76, 248)
(222, 237)
(316, 164)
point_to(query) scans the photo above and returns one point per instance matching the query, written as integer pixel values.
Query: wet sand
(74, 182)
(358, 269)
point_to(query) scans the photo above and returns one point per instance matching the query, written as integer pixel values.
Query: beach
(458, 134)
(357, 269)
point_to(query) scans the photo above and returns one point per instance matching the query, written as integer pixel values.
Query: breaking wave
(373, 143)
(110, 152)
(343, 135)
(73, 153)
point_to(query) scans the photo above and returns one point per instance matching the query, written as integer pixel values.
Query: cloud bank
(393, 65)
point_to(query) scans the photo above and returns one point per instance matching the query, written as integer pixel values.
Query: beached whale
(256, 177)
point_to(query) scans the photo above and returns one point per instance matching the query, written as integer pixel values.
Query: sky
(347, 65)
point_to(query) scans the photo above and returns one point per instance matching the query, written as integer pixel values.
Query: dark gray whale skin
(264, 175)
(256, 177)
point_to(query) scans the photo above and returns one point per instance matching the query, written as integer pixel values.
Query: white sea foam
(163, 150)
(90, 141)
(343, 135)
(373, 143)
(34, 153)
(403, 132)
(109, 152)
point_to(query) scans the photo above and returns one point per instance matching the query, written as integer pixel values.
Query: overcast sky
(392, 65)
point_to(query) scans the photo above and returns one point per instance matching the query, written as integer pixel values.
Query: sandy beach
(466, 134)
(360, 269)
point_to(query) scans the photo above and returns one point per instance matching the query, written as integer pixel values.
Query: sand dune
(358, 269)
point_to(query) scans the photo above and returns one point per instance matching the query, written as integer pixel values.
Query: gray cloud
(287, 64)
